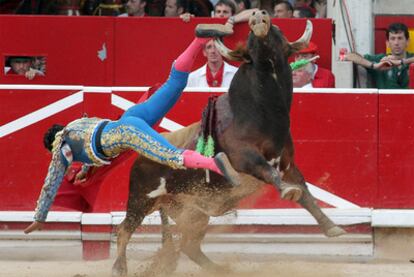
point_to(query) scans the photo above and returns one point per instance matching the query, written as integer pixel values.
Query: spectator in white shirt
(215, 73)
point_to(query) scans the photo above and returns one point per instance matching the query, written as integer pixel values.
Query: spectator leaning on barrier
(312, 75)
(22, 65)
(389, 71)
(283, 9)
(224, 8)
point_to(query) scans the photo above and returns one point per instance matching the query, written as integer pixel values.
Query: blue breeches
(162, 100)
(133, 130)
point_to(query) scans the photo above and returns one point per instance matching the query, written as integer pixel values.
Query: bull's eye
(253, 13)
(263, 21)
(264, 12)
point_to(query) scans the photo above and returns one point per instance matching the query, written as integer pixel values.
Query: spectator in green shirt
(389, 71)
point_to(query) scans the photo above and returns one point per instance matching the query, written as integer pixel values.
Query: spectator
(197, 8)
(312, 75)
(302, 78)
(224, 9)
(389, 71)
(242, 5)
(34, 7)
(175, 8)
(103, 7)
(226, 29)
(135, 8)
(303, 12)
(283, 9)
(317, 7)
(22, 65)
(215, 73)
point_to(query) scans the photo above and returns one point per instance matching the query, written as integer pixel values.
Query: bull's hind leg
(192, 224)
(293, 177)
(125, 230)
(143, 180)
(166, 260)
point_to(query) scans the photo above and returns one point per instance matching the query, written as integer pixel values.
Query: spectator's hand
(321, 8)
(301, 77)
(383, 65)
(36, 225)
(186, 17)
(30, 74)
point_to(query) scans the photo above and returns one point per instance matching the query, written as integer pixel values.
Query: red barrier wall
(396, 150)
(357, 146)
(139, 50)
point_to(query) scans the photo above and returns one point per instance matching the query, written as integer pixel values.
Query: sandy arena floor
(240, 266)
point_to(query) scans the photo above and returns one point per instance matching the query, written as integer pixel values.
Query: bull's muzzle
(260, 23)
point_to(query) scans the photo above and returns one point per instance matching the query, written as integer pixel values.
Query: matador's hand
(36, 225)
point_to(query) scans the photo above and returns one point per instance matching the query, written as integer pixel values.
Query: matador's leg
(167, 95)
(134, 133)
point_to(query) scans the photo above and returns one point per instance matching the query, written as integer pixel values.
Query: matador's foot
(213, 30)
(290, 192)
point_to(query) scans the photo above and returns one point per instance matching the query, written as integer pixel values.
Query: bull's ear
(303, 41)
(238, 55)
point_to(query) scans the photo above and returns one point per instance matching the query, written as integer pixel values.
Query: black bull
(253, 127)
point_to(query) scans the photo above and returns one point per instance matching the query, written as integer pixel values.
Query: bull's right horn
(306, 36)
(226, 52)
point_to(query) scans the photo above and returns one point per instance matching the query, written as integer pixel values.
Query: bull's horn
(307, 34)
(237, 56)
(225, 52)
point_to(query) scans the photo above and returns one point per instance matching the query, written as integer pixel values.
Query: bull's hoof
(218, 269)
(291, 193)
(116, 272)
(119, 269)
(212, 30)
(335, 231)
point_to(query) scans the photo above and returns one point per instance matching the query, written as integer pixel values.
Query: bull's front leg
(293, 176)
(253, 163)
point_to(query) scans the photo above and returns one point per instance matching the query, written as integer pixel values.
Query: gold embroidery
(126, 137)
(82, 130)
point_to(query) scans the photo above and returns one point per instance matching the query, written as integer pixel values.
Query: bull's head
(262, 28)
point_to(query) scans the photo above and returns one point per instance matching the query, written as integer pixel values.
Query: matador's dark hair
(49, 136)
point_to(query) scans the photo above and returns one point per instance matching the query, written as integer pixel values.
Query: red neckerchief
(217, 80)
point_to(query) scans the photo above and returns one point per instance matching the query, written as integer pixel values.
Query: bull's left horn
(306, 36)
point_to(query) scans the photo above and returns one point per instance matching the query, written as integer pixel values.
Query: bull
(252, 128)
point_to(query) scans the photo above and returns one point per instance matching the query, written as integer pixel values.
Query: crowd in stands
(386, 70)
(302, 8)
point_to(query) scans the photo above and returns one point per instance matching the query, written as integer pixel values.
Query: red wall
(139, 50)
(358, 146)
